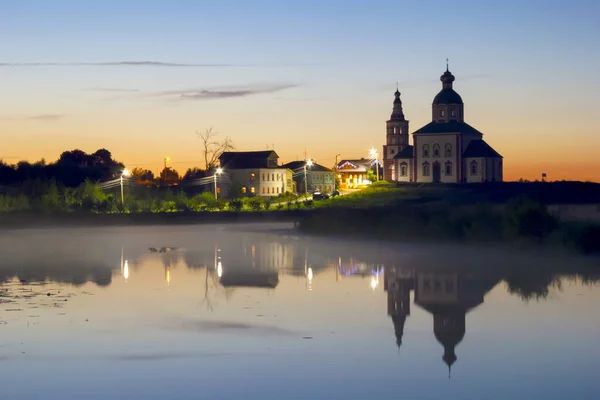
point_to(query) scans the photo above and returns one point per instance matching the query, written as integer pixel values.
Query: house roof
(407, 152)
(246, 159)
(361, 165)
(448, 127)
(479, 148)
(296, 165)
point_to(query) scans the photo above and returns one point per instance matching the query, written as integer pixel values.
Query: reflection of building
(448, 295)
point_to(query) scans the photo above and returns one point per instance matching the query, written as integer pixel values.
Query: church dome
(447, 95)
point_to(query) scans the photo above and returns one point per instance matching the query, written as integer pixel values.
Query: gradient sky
(314, 75)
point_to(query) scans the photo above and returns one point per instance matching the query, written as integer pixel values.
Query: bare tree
(213, 147)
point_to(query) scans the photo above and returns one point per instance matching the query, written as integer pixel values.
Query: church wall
(493, 170)
(398, 168)
(481, 168)
(441, 141)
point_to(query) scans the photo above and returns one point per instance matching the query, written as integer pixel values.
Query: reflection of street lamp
(309, 163)
(218, 172)
(374, 155)
(124, 174)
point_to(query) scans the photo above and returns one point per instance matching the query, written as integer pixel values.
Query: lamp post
(124, 174)
(219, 171)
(308, 164)
(336, 172)
(374, 155)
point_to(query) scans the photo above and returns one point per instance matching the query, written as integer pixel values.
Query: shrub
(255, 203)
(236, 205)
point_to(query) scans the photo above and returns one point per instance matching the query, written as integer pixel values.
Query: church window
(448, 169)
(425, 169)
(442, 113)
(400, 131)
(448, 150)
(474, 169)
(403, 169)
(452, 113)
(392, 151)
(425, 150)
(436, 150)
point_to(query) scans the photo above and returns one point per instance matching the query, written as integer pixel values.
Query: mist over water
(258, 311)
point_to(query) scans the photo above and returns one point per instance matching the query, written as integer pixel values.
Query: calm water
(255, 312)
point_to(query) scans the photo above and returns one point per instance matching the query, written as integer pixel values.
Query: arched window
(474, 168)
(403, 169)
(425, 150)
(453, 113)
(425, 169)
(436, 150)
(448, 168)
(448, 150)
(442, 113)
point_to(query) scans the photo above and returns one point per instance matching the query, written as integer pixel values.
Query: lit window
(426, 169)
(448, 150)
(252, 177)
(474, 168)
(252, 189)
(244, 189)
(263, 190)
(425, 150)
(448, 169)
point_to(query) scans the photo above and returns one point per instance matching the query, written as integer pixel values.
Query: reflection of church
(448, 295)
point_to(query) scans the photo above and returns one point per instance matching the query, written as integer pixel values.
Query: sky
(140, 78)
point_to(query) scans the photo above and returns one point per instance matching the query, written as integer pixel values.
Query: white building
(447, 150)
(256, 173)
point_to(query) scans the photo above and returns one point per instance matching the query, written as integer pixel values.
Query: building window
(400, 131)
(425, 169)
(272, 177)
(403, 169)
(278, 189)
(263, 190)
(436, 150)
(252, 177)
(425, 150)
(252, 190)
(392, 151)
(448, 150)
(448, 168)
(442, 113)
(474, 169)
(244, 190)
(452, 113)
(263, 177)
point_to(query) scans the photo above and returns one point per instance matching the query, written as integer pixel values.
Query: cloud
(44, 117)
(224, 93)
(119, 90)
(114, 64)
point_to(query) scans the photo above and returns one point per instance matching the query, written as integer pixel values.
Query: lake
(258, 312)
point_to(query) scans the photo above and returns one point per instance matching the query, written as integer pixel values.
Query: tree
(212, 147)
(193, 174)
(142, 175)
(371, 177)
(169, 174)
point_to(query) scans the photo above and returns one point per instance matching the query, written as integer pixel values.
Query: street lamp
(374, 155)
(309, 163)
(218, 172)
(124, 174)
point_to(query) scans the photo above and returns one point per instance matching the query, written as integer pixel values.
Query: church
(446, 150)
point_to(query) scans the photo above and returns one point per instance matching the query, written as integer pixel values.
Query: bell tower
(396, 138)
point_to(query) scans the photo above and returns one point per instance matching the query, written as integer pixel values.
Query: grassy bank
(522, 221)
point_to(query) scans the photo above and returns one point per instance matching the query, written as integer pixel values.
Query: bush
(529, 219)
(236, 205)
(267, 204)
(255, 203)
